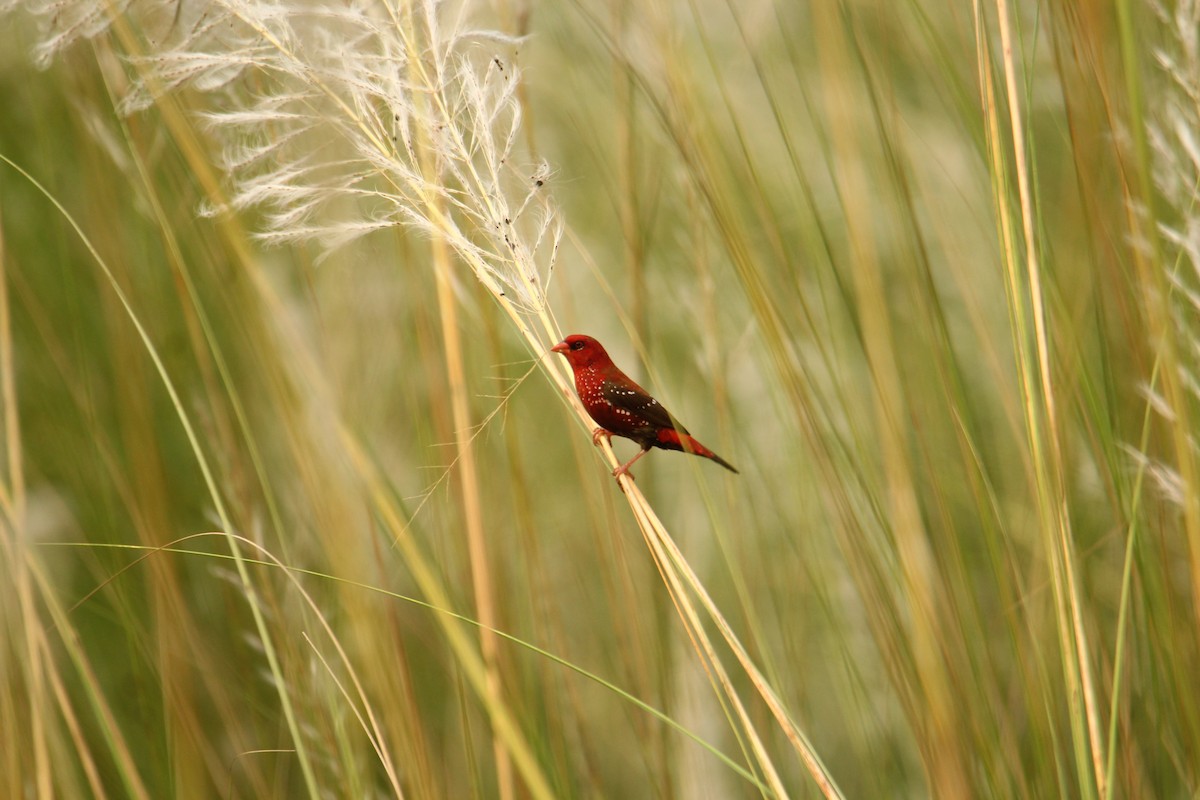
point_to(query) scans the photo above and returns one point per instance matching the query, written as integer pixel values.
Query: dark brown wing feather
(637, 401)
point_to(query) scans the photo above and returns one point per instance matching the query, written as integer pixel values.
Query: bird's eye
(577, 345)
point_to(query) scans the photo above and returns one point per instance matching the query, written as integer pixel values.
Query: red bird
(622, 408)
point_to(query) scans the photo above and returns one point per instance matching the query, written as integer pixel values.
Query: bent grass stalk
(267, 559)
(209, 481)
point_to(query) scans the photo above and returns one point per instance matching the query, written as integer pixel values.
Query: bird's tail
(690, 445)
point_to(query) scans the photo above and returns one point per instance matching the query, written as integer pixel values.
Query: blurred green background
(921, 288)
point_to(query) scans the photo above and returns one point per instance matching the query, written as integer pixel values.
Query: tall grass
(295, 503)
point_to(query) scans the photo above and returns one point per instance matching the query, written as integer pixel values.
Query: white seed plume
(1175, 146)
(339, 120)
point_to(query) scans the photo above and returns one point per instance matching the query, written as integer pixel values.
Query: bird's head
(581, 351)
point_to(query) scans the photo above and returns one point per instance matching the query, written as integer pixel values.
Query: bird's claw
(600, 433)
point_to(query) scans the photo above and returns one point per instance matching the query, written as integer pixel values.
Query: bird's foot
(600, 433)
(624, 468)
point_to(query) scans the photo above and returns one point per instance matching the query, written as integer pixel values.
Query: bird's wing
(637, 401)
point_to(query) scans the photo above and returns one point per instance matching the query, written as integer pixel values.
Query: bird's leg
(599, 434)
(624, 468)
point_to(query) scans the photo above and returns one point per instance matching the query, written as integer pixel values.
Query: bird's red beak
(561, 347)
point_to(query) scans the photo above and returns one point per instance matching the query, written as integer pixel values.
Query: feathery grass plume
(424, 117)
(340, 121)
(1173, 134)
